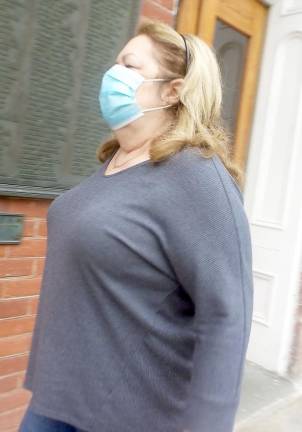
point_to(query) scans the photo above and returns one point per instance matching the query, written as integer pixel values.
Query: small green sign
(11, 227)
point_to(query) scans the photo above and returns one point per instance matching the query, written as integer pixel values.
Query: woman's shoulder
(190, 168)
(191, 162)
(198, 193)
(193, 182)
(189, 158)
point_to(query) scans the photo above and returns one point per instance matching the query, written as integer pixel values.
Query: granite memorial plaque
(53, 55)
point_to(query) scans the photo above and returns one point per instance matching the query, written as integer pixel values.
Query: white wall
(273, 191)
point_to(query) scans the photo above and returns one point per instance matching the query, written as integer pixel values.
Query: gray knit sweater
(146, 300)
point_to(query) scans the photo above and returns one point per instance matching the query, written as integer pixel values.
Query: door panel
(235, 29)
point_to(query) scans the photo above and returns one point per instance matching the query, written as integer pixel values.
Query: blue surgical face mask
(117, 96)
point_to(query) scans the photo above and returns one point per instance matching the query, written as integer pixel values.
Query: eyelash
(127, 65)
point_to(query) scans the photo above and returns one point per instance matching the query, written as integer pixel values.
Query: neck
(135, 138)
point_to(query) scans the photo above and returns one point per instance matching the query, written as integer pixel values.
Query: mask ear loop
(155, 108)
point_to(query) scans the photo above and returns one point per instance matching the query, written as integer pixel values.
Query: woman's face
(139, 55)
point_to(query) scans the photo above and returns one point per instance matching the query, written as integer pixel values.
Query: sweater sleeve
(209, 246)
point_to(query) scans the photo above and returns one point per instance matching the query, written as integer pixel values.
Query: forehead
(142, 47)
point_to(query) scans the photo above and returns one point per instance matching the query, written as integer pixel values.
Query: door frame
(199, 17)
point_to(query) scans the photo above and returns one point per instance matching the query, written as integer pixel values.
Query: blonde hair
(197, 116)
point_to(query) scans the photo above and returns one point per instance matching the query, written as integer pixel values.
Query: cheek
(147, 95)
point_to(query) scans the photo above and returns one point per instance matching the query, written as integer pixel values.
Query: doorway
(235, 29)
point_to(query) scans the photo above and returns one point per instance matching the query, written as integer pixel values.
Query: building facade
(259, 45)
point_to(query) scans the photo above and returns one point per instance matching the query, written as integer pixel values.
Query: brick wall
(21, 269)
(164, 10)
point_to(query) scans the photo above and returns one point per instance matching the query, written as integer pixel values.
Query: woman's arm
(209, 246)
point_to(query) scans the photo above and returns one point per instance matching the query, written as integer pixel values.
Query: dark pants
(33, 422)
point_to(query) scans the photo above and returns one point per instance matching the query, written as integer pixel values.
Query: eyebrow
(126, 55)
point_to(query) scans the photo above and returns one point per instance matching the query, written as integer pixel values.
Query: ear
(170, 92)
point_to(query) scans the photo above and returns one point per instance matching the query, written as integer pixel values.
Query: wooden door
(235, 29)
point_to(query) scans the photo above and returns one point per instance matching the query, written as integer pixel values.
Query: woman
(146, 303)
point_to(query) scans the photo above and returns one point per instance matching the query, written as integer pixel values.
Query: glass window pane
(231, 48)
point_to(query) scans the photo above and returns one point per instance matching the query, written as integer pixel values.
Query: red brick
(14, 399)
(153, 10)
(12, 419)
(42, 228)
(16, 266)
(21, 376)
(39, 266)
(29, 227)
(4, 204)
(3, 250)
(13, 308)
(10, 365)
(168, 4)
(9, 382)
(32, 307)
(15, 326)
(30, 207)
(19, 287)
(15, 344)
(28, 248)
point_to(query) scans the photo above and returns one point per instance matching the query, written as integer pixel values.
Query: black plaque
(11, 227)
(53, 55)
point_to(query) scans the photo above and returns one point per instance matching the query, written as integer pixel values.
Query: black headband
(187, 52)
